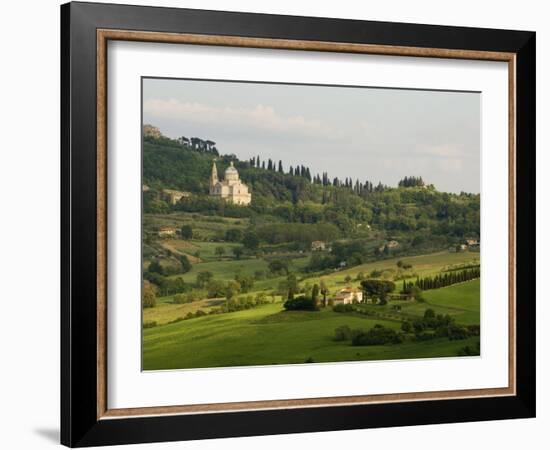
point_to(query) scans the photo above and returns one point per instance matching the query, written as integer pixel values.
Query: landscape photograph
(304, 224)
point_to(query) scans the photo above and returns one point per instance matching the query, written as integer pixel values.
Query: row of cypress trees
(441, 280)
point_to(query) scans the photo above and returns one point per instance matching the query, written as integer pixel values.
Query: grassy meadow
(266, 335)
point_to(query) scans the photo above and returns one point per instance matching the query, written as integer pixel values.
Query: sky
(359, 132)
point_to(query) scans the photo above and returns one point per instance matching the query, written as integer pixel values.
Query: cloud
(441, 150)
(260, 117)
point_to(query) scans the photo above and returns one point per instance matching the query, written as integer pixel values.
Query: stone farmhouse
(348, 296)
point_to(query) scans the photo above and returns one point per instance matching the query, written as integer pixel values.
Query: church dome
(231, 168)
(231, 173)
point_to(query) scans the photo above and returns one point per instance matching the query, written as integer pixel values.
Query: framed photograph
(277, 224)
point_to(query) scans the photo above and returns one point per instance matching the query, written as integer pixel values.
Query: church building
(231, 188)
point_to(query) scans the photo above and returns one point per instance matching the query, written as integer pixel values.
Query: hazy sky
(364, 133)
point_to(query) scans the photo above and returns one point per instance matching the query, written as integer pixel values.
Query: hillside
(297, 196)
(238, 275)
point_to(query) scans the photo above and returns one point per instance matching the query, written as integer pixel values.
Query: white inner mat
(129, 387)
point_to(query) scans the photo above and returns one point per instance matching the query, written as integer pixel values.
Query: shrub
(378, 335)
(155, 267)
(278, 266)
(149, 324)
(342, 333)
(200, 313)
(301, 303)
(424, 336)
(179, 319)
(406, 327)
(429, 314)
(233, 235)
(185, 264)
(342, 308)
(457, 332)
(148, 295)
(259, 274)
(186, 232)
(469, 350)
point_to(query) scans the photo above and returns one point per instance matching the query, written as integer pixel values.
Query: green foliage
(233, 235)
(149, 324)
(251, 240)
(297, 232)
(301, 303)
(470, 350)
(291, 285)
(377, 335)
(378, 289)
(185, 264)
(278, 267)
(411, 182)
(238, 252)
(203, 278)
(343, 308)
(190, 297)
(429, 314)
(186, 232)
(219, 251)
(406, 327)
(155, 267)
(148, 295)
(342, 333)
(246, 282)
(448, 278)
(434, 219)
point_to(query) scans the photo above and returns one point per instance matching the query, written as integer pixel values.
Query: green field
(461, 301)
(265, 335)
(269, 335)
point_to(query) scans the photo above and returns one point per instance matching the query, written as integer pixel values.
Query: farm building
(318, 246)
(167, 232)
(348, 295)
(173, 196)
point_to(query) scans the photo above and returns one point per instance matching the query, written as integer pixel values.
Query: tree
(238, 252)
(251, 240)
(231, 289)
(347, 279)
(186, 232)
(324, 291)
(233, 235)
(148, 295)
(429, 314)
(315, 293)
(377, 289)
(203, 278)
(219, 251)
(155, 267)
(291, 285)
(406, 327)
(185, 264)
(278, 266)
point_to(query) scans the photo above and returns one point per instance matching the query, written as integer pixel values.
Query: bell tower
(213, 177)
